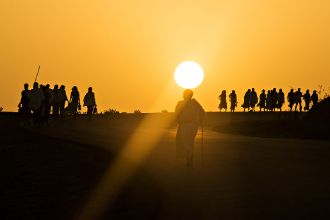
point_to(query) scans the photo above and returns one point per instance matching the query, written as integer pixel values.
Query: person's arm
(178, 109)
(84, 100)
(94, 99)
(20, 102)
(201, 112)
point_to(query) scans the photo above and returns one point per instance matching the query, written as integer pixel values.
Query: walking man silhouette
(189, 116)
(307, 98)
(291, 99)
(62, 98)
(253, 99)
(223, 100)
(280, 99)
(298, 96)
(23, 105)
(246, 103)
(74, 101)
(89, 101)
(262, 100)
(314, 98)
(233, 100)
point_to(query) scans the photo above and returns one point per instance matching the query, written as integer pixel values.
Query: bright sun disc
(189, 75)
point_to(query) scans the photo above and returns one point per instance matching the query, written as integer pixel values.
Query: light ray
(126, 164)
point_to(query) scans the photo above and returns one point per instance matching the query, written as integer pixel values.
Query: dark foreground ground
(49, 178)
(50, 173)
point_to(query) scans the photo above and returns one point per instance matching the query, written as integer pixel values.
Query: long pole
(35, 79)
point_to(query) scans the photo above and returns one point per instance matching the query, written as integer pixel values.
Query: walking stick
(35, 79)
(202, 147)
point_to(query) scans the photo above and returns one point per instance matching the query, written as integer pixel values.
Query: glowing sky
(128, 50)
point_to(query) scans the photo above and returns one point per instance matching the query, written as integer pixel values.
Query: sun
(189, 75)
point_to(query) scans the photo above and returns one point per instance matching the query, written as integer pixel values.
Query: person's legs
(307, 105)
(36, 117)
(47, 114)
(61, 108)
(192, 131)
(89, 111)
(26, 115)
(55, 110)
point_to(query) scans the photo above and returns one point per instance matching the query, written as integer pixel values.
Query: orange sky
(128, 50)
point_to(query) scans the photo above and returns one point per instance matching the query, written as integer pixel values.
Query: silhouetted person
(233, 100)
(45, 108)
(89, 101)
(280, 99)
(291, 99)
(74, 101)
(223, 100)
(62, 98)
(268, 100)
(298, 96)
(262, 100)
(36, 100)
(23, 105)
(314, 98)
(55, 101)
(273, 99)
(307, 99)
(246, 103)
(253, 99)
(189, 116)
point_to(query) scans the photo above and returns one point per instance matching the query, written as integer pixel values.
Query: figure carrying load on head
(223, 100)
(233, 101)
(89, 101)
(189, 116)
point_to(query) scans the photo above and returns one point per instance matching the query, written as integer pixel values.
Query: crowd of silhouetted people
(271, 101)
(40, 102)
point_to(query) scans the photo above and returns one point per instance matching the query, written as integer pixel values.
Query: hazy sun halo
(189, 75)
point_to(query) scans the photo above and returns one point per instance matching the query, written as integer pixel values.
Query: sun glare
(189, 75)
